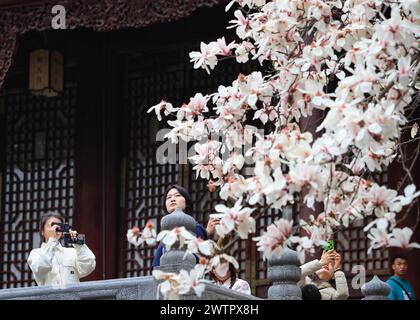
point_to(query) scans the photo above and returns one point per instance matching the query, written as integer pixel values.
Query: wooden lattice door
(37, 173)
(144, 180)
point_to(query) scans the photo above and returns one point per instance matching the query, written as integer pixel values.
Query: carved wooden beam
(105, 15)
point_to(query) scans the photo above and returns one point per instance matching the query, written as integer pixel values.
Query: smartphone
(217, 216)
(329, 246)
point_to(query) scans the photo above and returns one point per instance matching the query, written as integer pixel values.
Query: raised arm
(40, 260)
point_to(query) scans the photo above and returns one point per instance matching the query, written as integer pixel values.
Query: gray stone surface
(284, 273)
(173, 260)
(139, 288)
(376, 289)
(176, 259)
(178, 218)
(215, 292)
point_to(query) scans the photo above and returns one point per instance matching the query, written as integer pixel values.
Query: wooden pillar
(95, 164)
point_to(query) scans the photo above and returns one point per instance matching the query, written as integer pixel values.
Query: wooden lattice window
(152, 76)
(353, 244)
(38, 174)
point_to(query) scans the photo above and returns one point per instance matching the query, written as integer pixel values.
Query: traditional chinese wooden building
(89, 151)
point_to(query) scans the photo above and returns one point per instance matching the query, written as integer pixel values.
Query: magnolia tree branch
(357, 62)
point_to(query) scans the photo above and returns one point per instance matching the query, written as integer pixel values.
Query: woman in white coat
(53, 264)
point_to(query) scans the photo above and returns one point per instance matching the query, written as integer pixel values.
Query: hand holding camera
(53, 231)
(69, 236)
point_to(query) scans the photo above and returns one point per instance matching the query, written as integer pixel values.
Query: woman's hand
(211, 225)
(53, 232)
(327, 257)
(337, 261)
(73, 234)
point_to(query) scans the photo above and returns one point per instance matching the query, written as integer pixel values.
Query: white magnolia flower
(235, 218)
(149, 233)
(241, 24)
(133, 236)
(192, 281)
(163, 105)
(170, 237)
(220, 264)
(401, 238)
(304, 246)
(200, 246)
(243, 50)
(409, 195)
(414, 130)
(379, 238)
(137, 237)
(273, 241)
(206, 58)
(169, 287)
(224, 49)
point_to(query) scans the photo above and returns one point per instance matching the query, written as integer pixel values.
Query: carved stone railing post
(284, 273)
(174, 260)
(376, 289)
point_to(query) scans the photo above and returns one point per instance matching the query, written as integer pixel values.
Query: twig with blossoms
(137, 237)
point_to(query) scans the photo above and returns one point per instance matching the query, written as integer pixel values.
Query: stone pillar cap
(178, 218)
(376, 287)
(288, 257)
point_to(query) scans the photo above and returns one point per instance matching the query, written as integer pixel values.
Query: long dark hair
(184, 193)
(44, 220)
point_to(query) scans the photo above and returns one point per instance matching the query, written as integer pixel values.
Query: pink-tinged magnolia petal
(401, 237)
(414, 130)
(199, 289)
(205, 248)
(414, 245)
(169, 240)
(222, 269)
(375, 128)
(162, 235)
(134, 239)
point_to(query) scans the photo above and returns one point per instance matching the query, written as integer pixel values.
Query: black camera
(67, 239)
(62, 227)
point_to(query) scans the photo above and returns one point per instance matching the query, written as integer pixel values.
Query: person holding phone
(327, 276)
(211, 225)
(53, 264)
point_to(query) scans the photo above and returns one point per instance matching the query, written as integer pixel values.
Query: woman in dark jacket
(177, 196)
